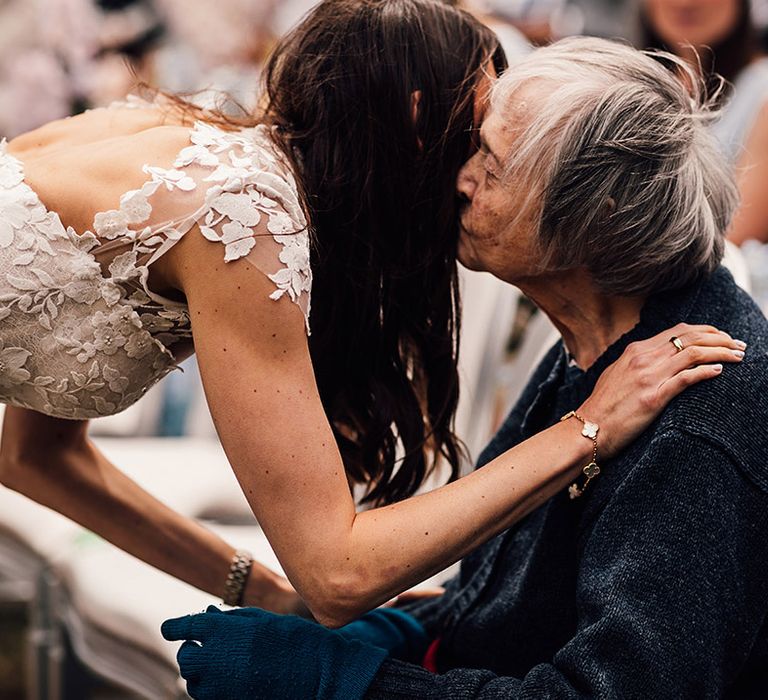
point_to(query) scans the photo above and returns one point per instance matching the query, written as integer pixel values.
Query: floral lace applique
(77, 342)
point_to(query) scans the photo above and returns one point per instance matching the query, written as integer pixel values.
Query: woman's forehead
(509, 116)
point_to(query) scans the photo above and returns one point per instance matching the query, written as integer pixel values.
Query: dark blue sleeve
(671, 593)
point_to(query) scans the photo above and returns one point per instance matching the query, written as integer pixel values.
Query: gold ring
(677, 343)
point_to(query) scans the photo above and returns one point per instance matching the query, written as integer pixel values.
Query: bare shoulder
(91, 126)
(197, 267)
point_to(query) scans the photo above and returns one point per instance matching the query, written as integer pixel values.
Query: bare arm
(52, 461)
(261, 389)
(751, 219)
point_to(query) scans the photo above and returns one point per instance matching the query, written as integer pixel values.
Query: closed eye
(491, 165)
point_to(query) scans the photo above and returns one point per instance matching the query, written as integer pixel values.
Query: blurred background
(79, 619)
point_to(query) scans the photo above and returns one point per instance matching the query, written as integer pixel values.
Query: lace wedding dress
(80, 342)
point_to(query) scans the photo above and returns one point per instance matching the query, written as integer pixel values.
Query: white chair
(114, 605)
(94, 590)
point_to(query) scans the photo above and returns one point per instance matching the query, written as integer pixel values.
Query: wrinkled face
(696, 22)
(494, 236)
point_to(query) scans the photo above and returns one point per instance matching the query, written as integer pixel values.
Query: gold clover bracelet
(591, 470)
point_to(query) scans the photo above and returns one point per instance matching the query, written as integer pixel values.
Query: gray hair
(623, 170)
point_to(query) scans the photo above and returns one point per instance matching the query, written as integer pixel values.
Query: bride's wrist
(270, 591)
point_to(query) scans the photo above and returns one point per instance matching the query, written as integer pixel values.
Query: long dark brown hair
(727, 58)
(373, 104)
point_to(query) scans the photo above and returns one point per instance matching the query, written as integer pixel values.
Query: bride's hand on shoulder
(636, 388)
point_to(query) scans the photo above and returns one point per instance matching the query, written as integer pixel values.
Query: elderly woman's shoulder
(730, 412)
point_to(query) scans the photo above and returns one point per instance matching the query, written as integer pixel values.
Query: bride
(132, 236)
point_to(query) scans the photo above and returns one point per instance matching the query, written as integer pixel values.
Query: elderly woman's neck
(589, 320)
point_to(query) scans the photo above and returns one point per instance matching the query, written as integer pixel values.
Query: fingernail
(717, 368)
(738, 353)
(741, 344)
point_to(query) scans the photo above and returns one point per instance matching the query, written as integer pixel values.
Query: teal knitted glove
(393, 630)
(264, 655)
(401, 634)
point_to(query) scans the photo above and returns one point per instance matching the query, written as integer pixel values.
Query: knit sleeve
(671, 592)
(431, 612)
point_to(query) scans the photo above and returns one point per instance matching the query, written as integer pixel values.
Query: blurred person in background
(59, 57)
(514, 42)
(223, 73)
(540, 21)
(543, 21)
(718, 37)
(132, 236)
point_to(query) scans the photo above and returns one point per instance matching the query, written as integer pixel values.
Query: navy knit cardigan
(652, 585)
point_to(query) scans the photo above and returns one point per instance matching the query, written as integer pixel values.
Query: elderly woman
(599, 191)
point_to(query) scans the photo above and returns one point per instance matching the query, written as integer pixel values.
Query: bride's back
(90, 209)
(82, 165)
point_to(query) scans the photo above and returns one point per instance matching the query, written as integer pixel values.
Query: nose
(466, 183)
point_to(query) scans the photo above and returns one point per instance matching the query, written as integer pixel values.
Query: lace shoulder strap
(241, 193)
